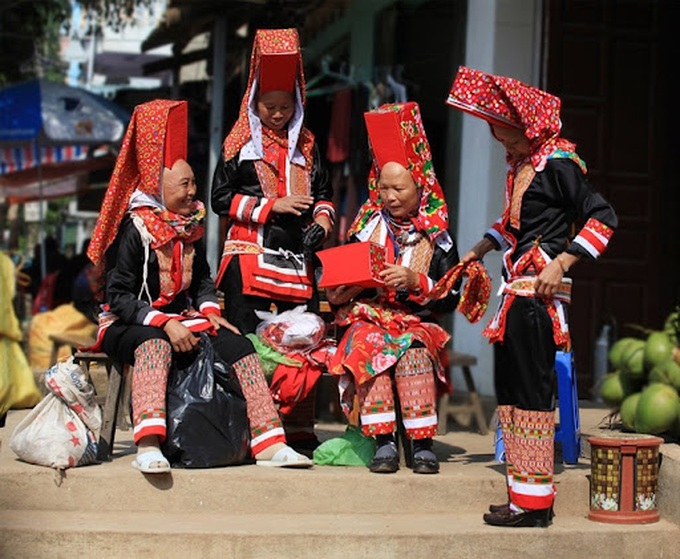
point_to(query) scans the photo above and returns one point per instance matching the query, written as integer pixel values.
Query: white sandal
(286, 458)
(151, 462)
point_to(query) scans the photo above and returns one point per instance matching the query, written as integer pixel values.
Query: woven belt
(524, 286)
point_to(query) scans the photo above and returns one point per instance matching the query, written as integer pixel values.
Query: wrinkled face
(513, 139)
(398, 192)
(275, 109)
(179, 187)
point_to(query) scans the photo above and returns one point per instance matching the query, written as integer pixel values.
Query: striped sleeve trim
(156, 318)
(325, 208)
(496, 233)
(209, 307)
(594, 237)
(250, 208)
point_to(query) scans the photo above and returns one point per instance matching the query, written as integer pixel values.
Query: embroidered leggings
(149, 352)
(415, 386)
(524, 380)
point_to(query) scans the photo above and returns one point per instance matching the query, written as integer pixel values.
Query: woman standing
(274, 191)
(159, 292)
(391, 336)
(271, 186)
(546, 191)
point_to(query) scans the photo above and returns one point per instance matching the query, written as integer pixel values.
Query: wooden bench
(115, 412)
(472, 407)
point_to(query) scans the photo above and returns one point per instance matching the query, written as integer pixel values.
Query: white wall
(500, 38)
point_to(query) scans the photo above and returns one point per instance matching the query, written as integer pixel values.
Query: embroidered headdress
(275, 64)
(396, 134)
(156, 137)
(509, 102)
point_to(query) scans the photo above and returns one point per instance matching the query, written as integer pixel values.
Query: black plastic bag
(207, 425)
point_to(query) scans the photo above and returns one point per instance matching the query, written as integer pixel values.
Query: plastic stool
(569, 431)
(499, 447)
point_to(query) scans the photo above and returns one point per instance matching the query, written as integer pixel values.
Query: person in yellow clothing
(17, 385)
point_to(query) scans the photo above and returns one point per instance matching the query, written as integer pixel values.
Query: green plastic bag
(350, 449)
(269, 357)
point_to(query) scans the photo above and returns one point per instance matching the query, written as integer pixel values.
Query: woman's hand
(400, 277)
(294, 204)
(325, 222)
(548, 281)
(218, 321)
(478, 251)
(181, 338)
(343, 293)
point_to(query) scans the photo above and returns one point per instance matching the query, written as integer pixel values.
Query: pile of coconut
(645, 379)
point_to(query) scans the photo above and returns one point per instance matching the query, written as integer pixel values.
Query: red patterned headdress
(155, 137)
(276, 64)
(396, 133)
(509, 102)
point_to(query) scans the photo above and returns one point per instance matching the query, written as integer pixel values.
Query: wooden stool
(473, 406)
(117, 402)
(74, 341)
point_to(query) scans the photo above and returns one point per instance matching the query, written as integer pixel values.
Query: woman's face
(513, 139)
(275, 109)
(179, 187)
(398, 192)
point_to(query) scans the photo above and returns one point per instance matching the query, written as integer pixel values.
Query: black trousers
(121, 340)
(524, 372)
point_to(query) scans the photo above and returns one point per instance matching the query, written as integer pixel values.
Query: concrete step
(112, 510)
(231, 534)
(469, 477)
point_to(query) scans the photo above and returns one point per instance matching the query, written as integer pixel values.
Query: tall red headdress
(396, 133)
(278, 71)
(276, 63)
(156, 136)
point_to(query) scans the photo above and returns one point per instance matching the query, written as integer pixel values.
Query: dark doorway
(610, 62)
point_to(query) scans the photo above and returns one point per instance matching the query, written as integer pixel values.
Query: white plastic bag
(63, 429)
(294, 329)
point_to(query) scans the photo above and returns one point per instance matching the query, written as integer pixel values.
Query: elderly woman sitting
(159, 292)
(390, 336)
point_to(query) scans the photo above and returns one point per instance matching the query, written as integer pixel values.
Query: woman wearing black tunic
(159, 292)
(546, 192)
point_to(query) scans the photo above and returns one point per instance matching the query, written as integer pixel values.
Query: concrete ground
(112, 510)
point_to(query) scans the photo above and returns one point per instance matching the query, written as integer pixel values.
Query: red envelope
(353, 264)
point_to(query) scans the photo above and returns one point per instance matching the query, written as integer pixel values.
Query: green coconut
(667, 372)
(658, 348)
(657, 409)
(616, 351)
(628, 411)
(632, 360)
(611, 390)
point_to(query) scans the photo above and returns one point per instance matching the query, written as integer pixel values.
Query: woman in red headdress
(272, 187)
(391, 341)
(546, 191)
(159, 292)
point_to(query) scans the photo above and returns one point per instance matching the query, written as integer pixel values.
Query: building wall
(500, 38)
